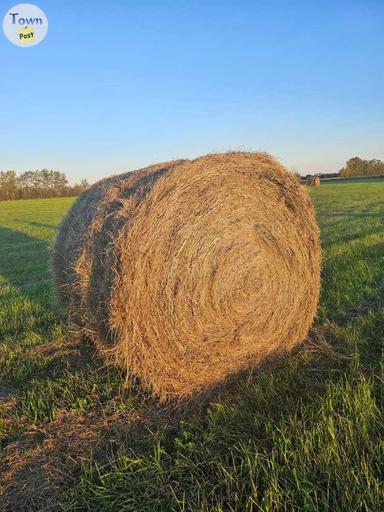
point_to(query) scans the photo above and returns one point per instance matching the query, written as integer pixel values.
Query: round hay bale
(313, 181)
(213, 268)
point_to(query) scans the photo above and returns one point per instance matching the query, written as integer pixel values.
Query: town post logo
(25, 25)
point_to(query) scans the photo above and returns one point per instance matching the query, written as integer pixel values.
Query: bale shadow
(36, 224)
(24, 264)
(42, 466)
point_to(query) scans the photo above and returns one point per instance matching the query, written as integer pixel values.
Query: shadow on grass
(36, 224)
(128, 425)
(41, 466)
(24, 264)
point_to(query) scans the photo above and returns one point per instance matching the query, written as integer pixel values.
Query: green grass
(305, 435)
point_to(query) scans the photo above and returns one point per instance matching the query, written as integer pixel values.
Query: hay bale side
(70, 240)
(219, 270)
(114, 213)
(72, 263)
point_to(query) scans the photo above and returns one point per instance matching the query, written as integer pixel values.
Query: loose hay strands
(210, 267)
(72, 263)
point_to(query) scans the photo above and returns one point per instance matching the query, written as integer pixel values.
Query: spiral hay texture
(186, 272)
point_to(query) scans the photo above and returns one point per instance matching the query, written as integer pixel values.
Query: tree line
(37, 184)
(358, 167)
(47, 183)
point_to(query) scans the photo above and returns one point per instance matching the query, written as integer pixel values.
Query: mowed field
(305, 434)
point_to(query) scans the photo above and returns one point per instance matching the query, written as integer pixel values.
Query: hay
(313, 181)
(72, 265)
(194, 271)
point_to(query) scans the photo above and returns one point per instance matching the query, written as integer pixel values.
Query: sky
(120, 85)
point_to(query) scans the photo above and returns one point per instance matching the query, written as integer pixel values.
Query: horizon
(172, 80)
(78, 182)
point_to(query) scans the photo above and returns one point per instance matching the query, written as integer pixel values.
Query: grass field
(303, 435)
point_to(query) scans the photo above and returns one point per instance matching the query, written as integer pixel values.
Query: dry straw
(189, 271)
(313, 180)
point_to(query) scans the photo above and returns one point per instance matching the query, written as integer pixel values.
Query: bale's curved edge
(72, 264)
(219, 269)
(186, 272)
(114, 213)
(69, 243)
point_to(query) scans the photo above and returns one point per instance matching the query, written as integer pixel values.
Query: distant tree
(26, 183)
(358, 167)
(355, 167)
(39, 183)
(77, 188)
(8, 185)
(376, 167)
(59, 182)
(328, 174)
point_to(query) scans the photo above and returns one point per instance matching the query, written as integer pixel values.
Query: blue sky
(119, 85)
